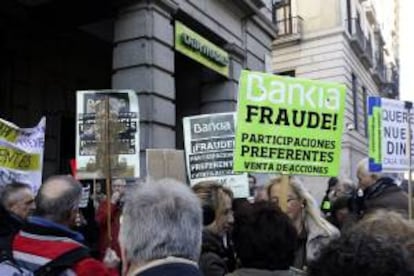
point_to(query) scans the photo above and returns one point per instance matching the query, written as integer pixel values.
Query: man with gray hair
(18, 199)
(380, 191)
(16, 203)
(46, 244)
(160, 230)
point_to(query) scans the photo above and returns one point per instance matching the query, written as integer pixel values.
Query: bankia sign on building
(198, 48)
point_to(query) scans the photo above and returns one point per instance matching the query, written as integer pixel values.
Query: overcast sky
(407, 50)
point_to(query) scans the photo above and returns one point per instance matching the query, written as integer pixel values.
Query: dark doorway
(46, 58)
(188, 84)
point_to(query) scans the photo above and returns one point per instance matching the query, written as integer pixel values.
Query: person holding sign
(314, 231)
(380, 191)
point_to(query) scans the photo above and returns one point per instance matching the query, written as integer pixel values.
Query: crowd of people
(165, 227)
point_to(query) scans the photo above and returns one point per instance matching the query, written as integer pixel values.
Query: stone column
(143, 60)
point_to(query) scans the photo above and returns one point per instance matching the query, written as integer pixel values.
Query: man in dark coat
(18, 200)
(16, 203)
(380, 191)
(9, 226)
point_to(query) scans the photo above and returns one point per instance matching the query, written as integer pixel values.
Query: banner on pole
(21, 153)
(288, 125)
(209, 147)
(122, 120)
(388, 134)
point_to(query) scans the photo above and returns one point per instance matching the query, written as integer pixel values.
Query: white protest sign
(21, 153)
(86, 191)
(122, 119)
(209, 146)
(388, 135)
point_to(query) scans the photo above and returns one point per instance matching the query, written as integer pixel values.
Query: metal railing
(289, 26)
(361, 44)
(380, 66)
(390, 86)
(368, 49)
(355, 30)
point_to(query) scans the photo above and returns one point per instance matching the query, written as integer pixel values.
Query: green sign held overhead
(288, 125)
(200, 49)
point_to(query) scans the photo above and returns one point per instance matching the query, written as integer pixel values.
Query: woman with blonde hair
(217, 256)
(314, 231)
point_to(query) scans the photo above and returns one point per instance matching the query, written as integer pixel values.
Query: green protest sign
(288, 125)
(374, 130)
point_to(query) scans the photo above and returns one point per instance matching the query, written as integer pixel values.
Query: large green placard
(288, 125)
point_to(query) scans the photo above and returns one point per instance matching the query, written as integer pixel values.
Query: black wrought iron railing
(368, 48)
(380, 66)
(355, 29)
(290, 26)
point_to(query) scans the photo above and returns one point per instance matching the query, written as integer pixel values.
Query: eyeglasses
(288, 200)
(291, 199)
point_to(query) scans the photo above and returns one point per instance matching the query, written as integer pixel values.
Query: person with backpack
(326, 205)
(46, 245)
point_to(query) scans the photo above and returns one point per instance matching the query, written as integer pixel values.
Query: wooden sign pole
(107, 166)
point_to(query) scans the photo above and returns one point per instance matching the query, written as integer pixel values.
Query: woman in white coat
(313, 230)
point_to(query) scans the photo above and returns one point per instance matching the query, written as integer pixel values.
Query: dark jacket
(215, 259)
(263, 272)
(385, 194)
(9, 223)
(171, 269)
(90, 229)
(9, 226)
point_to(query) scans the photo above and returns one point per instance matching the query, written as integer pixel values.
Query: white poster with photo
(21, 153)
(122, 121)
(209, 146)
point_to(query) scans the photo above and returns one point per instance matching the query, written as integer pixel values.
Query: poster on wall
(288, 125)
(209, 146)
(388, 135)
(107, 124)
(21, 153)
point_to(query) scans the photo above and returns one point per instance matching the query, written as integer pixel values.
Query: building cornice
(258, 17)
